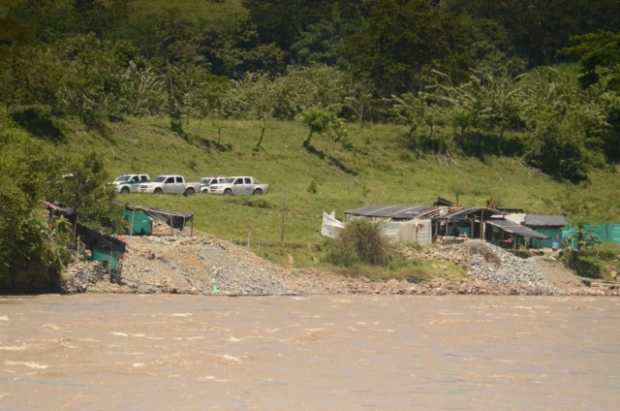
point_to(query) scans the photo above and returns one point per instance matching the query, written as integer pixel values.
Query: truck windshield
(122, 179)
(227, 180)
(160, 179)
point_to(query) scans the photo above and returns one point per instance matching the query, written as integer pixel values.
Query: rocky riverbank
(207, 266)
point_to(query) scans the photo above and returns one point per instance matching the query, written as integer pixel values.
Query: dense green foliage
(33, 251)
(27, 257)
(453, 71)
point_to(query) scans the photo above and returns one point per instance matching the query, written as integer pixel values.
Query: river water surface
(162, 352)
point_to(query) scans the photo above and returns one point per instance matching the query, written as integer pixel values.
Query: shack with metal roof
(549, 225)
(464, 222)
(508, 234)
(402, 223)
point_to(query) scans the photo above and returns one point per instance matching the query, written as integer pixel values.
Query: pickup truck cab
(205, 182)
(169, 184)
(130, 183)
(243, 185)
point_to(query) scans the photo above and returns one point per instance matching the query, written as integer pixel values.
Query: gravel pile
(83, 275)
(185, 265)
(487, 262)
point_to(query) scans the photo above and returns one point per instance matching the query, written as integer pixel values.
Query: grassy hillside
(384, 172)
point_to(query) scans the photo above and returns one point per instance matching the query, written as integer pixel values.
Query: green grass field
(385, 172)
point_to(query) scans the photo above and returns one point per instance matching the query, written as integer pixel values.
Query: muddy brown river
(163, 352)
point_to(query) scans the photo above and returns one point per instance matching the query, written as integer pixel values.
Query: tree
(538, 29)
(27, 262)
(480, 111)
(403, 39)
(282, 21)
(320, 121)
(597, 53)
(85, 189)
(565, 125)
(360, 101)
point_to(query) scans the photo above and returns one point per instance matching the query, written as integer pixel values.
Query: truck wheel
(124, 190)
(258, 192)
(157, 191)
(228, 192)
(190, 191)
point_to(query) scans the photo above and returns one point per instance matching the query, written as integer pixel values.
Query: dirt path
(557, 274)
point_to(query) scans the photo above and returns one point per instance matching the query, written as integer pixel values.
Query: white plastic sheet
(331, 226)
(412, 231)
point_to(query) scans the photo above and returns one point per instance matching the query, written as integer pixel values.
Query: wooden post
(133, 214)
(192, 227)
(283, 222)
(75, 234)
(514, 242)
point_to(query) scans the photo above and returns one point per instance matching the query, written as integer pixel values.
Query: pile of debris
(185, 265)
(83, 275)
(207, 266)
(492, 264)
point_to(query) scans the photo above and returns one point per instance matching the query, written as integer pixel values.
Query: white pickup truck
(239, 186)
(205, 182)
(169, 184)
(130, 183)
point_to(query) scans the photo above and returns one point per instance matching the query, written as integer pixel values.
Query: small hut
(507, 234)
(401, 223)
(549, 225)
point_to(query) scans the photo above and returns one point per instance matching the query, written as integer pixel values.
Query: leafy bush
(86, 190)
(360, 242)
(594, 261)
(559, 154)
(313, 187)
(584, 264)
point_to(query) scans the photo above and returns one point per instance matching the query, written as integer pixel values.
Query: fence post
(133, 215)
(283, 221)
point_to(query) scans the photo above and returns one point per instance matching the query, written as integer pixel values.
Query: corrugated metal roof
(541, 220)
(512, 228)
(397, 211)
(461, 214)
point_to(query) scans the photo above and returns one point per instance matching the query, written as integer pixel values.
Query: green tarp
(605, 233)
(139, 222)
(109, 258)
